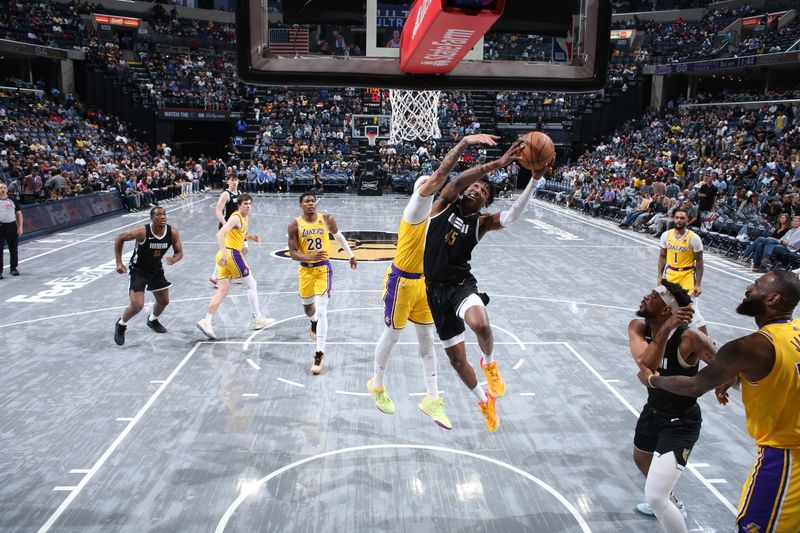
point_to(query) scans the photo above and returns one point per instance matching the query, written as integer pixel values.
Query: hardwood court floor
(173, 433)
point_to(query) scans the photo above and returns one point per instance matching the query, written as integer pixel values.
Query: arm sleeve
(696, 243)
(343, 243)
(518, 207)
(418, 208)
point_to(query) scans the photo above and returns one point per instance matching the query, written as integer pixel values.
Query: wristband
(649, 382)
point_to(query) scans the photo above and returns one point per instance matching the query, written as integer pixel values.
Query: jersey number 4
(314, 244)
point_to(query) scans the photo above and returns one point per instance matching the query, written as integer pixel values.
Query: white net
(415, 115)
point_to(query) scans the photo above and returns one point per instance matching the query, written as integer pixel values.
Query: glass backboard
(557, 45)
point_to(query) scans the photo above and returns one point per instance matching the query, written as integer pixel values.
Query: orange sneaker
(489, 413)
(497, 384)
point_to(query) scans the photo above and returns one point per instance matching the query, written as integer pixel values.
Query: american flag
(288, 40)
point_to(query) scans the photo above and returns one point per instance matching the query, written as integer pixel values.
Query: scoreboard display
(373, 98)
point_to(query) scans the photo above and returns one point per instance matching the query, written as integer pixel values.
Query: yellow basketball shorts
(235, 268)
(404, 299)
(770, 501)
(684, 278)
(315, 280)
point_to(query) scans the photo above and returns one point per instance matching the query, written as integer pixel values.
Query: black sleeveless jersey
(449, 241)
(661, 400)
(230, 205)
(147, 255)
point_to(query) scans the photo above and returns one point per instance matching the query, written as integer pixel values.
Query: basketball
(539, 153)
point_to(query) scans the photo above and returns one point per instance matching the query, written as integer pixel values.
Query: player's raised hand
(681, 317)
(721, 392)
(512, 154)
(481, 138)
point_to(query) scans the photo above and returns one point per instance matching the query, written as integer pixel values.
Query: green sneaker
(435, 410)
(382, 400)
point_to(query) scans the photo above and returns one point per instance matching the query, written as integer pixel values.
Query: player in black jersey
(146, 270)
(226, 205)
(669, 424)
(455, 227)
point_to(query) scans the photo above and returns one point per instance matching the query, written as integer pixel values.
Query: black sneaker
(156, 326)
(119, 333)
(15, 272)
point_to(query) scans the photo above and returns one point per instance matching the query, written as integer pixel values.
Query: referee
(10, 228)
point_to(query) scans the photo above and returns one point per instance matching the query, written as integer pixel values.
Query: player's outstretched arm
(505, 218)
(468, 177)
(333, 227)
(138, 234)
(753, 356)
(437, 179)
(177, 248)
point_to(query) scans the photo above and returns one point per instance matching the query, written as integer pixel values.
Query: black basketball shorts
(444, 301)
(152, 281)
(662, 433)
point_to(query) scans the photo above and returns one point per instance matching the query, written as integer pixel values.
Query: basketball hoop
(371, 136)
(415, 115)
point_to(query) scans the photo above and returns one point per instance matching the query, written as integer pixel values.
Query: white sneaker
(205, 326)
(261, 323)
(644, 509)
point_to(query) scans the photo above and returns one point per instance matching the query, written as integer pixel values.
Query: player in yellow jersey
(309, 243)
(404, 297)
(232, 266)
(681, 262)
(767, 366)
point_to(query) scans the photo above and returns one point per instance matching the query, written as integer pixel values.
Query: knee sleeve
(661, 479)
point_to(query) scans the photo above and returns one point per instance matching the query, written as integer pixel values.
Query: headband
(667, 297)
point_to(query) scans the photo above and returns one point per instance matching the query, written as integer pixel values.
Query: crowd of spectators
(55, 148)
(726, 166)
(195, 81)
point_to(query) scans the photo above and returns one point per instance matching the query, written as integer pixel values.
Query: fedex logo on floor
(66, 285)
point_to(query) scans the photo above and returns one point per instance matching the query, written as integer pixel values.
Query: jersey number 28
(314, 244)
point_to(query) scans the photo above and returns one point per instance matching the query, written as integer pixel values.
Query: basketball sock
(428, 356)
(152, 317)
(252, 295)
(208, 317)
(488, 359)
(122, 322)
(480, 394)
(383, 349)
(661, 479)
(321, 303)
